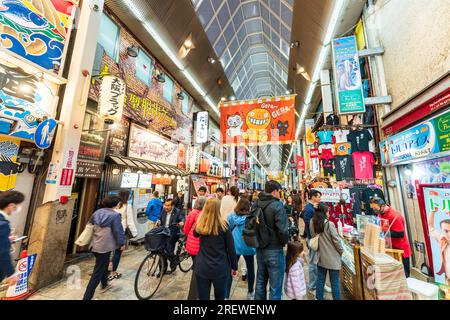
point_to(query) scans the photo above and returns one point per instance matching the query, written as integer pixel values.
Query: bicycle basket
(156, 239)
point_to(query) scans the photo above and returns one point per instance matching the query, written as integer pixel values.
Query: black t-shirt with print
(367, 194)
(327, 165)
(343, 167)
(359, 140)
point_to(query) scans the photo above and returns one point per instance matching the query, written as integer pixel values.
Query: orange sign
(253, 122)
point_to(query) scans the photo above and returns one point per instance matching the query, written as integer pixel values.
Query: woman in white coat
(126, 212)
(229, 202)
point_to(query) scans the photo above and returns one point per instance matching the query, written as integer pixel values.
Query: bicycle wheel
(149, 276)
(186, 263)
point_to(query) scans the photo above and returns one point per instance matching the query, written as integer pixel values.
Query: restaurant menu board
(145, 181)
(129, 180)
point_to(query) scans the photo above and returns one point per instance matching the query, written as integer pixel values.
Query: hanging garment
(359, 140)
(343, 167)
(363, 164)
(342, 149)
(326, 151)
(325, 136)
(328, 168)
(341, 136)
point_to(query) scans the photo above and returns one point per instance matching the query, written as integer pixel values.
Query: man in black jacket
(271, 259)
(173, 219)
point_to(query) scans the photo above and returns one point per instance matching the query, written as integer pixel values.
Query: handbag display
(86, 236)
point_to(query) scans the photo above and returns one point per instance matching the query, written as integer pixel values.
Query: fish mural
(25, 101)
(36, 29)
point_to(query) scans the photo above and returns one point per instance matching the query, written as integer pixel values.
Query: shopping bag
(86, 236)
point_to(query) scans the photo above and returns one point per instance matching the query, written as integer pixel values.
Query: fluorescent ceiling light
(155, 35)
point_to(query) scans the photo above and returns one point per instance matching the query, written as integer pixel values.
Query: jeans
(100, 274)
(170, 248)
(116, 259)
(250, 262)
(204, 288)
(271, 268)
(312, 269)
(334, 280)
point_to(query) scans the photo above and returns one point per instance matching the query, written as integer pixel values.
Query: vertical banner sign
(181, 156)
(8, 166)
(310, 136)
(300, 163)
(437, 206)
(347, 75)
(112, 98)
(201, 127)
(256, 122)
(241, 153)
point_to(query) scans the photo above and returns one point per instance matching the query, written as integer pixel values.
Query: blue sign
(417, 142)
(44, 133)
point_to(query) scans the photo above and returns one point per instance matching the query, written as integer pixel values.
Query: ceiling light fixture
(133, 51)
(223, 99)
(155, 35)
(337, 11)
(180, 95)
(211, 60)
(232, 98)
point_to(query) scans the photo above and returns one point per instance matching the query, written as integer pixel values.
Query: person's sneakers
(251, 295)
(103, 290)
(312, 291)
(327, 289)
(114, 275)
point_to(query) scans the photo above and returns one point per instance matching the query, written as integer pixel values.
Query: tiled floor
(173, 287)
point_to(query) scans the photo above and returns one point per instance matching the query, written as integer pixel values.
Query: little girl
(294, 286)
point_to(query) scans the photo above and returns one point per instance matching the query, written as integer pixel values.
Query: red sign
(300, 163)
(66, 177)
(258, 121)
(241, 155)
(313, 153)
(181, 156)
(419, 113)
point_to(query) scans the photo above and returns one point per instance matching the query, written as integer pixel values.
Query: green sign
(442, 128)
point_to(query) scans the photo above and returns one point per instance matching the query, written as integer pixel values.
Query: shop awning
(146, 165)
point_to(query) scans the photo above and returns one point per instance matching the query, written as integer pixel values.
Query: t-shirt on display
(342, 149)
(341, 136)
(343, 167)
(359, 140)
(325, 136)
(363, 163)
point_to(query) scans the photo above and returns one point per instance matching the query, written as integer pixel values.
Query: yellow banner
(8, 166)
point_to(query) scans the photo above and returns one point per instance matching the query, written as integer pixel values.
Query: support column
(74, 103)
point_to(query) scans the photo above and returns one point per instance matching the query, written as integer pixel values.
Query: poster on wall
(118, 138)
(310, 137)
(432, 171)
(347, 75)
(437, 205)
(422, 140)
(37, 30)
(252, 122)
(147, 145)
(25, 101)
(8, 166)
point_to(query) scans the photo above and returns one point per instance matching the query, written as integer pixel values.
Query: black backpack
(257, 233)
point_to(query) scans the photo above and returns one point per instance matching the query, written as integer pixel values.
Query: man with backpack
(267, 229)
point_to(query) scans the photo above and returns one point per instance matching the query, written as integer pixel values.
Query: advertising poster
(258, 121)
(36, 30)
(347, 75)
(334, 195)
(310, 136)
(118, 138)
(144, 101)
(26, 101)
(8, 166)
(437, 205)
(149, 146)
(429, 137)
(181, 156)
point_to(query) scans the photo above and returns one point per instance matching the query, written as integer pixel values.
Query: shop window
(168, 90)
(144, 67)
(185, 104)
(109, 37)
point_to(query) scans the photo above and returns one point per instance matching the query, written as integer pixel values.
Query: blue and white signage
(44, 133)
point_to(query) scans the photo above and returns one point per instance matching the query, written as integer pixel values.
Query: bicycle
(154, 266)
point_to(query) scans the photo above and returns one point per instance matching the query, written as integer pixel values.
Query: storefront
(31, 68)
(416, 155)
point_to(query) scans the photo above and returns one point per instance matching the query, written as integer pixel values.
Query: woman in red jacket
(193, 243)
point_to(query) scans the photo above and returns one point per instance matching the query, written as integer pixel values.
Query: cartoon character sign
(234, 123)
(266, 120)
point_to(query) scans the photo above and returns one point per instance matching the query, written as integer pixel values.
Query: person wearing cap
(396, 230)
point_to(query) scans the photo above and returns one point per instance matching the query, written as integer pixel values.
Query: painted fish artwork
(25, 101)
(36, 29)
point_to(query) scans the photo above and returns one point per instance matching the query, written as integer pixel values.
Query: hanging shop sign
(194, 159)
(37, 30)
(25, 102)
(181, 156)
(347, 75)
(437, 204)
(428, 138)
(310, 136)
(8, 166)
(334, 195)
(210, 165)
(112, 98)
(241, 155)
(300, 163)
(258, 121)
(201, 127)
(314, 153)
(89, 169)
(118, 138)
(146, 145)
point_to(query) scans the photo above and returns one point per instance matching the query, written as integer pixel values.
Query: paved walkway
(173, 287)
